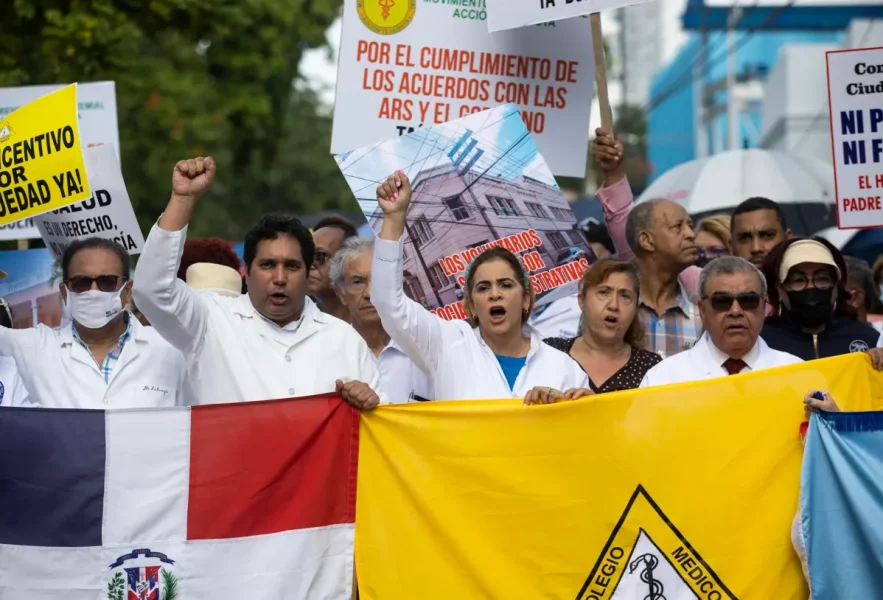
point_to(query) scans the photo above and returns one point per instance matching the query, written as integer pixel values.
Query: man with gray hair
(350, 275)
(731, 305)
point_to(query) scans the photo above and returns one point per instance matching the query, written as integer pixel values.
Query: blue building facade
(671, 116)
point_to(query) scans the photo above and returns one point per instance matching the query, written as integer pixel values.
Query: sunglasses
(106, 283)
(320, 258)
(723, 302)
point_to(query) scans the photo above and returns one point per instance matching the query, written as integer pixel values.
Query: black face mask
(811, 307)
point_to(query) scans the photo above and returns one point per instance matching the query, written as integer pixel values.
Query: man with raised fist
(272, 342)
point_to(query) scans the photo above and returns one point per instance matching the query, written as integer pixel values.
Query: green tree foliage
(194, 77)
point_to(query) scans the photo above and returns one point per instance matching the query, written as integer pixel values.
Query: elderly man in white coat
(270, 343)
(732, 293)
(105, 358)
(350, 273)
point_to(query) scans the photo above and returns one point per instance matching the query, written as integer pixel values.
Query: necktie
(734, 365)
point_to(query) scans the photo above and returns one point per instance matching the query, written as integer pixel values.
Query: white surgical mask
(94, 309)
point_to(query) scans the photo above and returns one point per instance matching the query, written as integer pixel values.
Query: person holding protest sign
(609, 350)
(105, 359)
(494, 354)
(12, 388)
(272, 342)
(400, 378)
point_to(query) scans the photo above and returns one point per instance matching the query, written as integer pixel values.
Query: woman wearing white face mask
(105, 359)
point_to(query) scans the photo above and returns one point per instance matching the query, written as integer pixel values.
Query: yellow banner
(41, 160)
(684, 491)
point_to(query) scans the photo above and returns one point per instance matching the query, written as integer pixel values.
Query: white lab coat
(459, 363)
(400, 378)
(705, 361)
(12, 388)
(233, 353)
(560, 318)
(60, 373)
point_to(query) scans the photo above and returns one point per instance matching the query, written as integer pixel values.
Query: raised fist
(394, 194)
(192, 177)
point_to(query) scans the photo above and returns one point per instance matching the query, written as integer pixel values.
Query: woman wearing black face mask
(812, 317)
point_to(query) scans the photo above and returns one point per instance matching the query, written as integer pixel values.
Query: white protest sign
(405, 65)
(855, 96)
(107, 214)
(511, 14)
(98, 125)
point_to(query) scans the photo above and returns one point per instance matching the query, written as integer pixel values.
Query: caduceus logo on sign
(386, 17)
(655, 587)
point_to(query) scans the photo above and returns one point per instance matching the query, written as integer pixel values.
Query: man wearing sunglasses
(731, 305)
(104, 359)
(329, 234)
(272, 342)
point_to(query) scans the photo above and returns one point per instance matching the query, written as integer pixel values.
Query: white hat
(806, 251)
(215, 278)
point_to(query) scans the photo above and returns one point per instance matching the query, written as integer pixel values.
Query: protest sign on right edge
(41, 159)
(855, 97)
(409, 64)
(511, 14)
(97, 109)
(477, 182)
(107, 214)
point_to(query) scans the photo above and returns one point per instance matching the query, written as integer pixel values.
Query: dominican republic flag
(252, 501)
(841, 505)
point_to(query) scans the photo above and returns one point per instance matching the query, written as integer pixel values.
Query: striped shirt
(113, 356)
(676, 330)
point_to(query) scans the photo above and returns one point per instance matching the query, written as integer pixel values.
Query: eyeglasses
(799, 282)
(320, 258)
(712, 252)
(106, 283)
(356, 285)
(722, 302)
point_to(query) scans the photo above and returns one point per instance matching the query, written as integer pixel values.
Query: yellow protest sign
(684, 491)
(41, 160)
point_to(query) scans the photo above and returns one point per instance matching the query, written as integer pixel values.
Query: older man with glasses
(104, 359)
(732, 292)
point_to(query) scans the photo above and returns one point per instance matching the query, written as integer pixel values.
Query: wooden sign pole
(22, 244)
(601, 73)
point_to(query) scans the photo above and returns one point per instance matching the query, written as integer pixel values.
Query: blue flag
(841, 505)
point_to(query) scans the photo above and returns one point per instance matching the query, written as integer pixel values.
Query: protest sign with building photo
(41, 159)
(477, 182)
(855, 94)
(97, 110)
(107, 214)
(406, 64)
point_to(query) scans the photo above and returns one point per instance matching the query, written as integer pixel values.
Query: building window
(576, 238)
(503, 206)
(536, 210)
(437, 277)
(421, 231)
(457, 207)
(557, 240)
(561, 213)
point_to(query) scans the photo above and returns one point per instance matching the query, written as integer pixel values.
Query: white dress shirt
(460, 364)
(400, 378)
(59, 372)
(705, 361)
(235, 354)
(12, 388)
